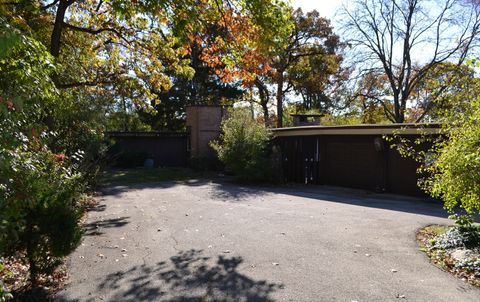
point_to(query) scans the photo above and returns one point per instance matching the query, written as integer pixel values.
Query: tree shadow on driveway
(96, 227)
(187, 276)
(219, 282)
(231, 192)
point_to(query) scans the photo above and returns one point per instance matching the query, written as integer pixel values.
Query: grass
(427, 234)
(117, 177)
(435, 229)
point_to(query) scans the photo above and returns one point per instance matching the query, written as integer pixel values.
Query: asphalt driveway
(209, 241)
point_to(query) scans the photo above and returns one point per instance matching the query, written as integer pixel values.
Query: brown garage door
(353, 162)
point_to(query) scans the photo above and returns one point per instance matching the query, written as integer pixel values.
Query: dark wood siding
(166, 149)
(402, 175)
(348, 160)
(353, 162)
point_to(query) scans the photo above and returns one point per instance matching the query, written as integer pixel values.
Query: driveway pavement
(213, 241)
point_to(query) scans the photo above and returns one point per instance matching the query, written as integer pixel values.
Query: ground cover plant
(454, 248)
(114, 177)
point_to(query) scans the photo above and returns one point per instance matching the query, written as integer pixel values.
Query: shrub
(40, 187)
(39, 209)
(244, 148)
(458, 238)
(465, 234)
(455, 168)
(39, 194)
(450, 168)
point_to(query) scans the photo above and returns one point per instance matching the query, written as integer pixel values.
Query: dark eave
(363, 129)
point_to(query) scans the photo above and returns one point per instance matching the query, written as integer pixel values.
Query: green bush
(39, 208)
(39, 194)
(455, 172)
(244, 148)
(42, 130)
(450, 168)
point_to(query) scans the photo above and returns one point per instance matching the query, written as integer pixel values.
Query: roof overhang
(366, 129)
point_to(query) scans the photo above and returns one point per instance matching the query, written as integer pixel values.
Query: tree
(139, 44)
(308, 55)
(453, 165)
(456, 170)
(162, 54)
(264, 97)
(403, 40)
(102, 43)
(317, 79)
(255, 44)
(227, 53)
(371, 97)
(204, 88)
(450, 168)
(445, 87)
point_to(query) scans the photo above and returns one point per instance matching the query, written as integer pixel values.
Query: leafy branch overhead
(136, 43)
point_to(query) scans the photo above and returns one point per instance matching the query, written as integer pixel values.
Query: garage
(357, 156)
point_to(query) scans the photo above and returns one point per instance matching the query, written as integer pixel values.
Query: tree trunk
(280, 81)
(266, 118)
(33, 270)
(264, 98)
(398, 112)
(55, 41)
(125, 121)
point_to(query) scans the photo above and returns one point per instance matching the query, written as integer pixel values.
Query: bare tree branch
(395, 34)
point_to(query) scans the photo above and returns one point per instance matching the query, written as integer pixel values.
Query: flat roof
(361, 129)
(144, 134)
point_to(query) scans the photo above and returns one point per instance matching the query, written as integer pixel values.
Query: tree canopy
(453, 164)
(307, 62)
